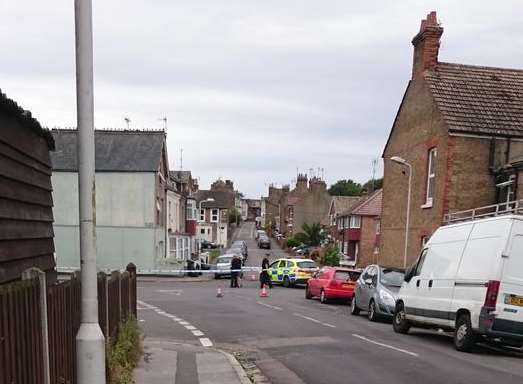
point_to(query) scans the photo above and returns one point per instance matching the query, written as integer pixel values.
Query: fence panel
(113, 305)
(20, 332)
(63, 308)
(21, 338)
(125, 293)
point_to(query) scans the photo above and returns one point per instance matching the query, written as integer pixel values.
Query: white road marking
(205, 342)
(314, 320)
(197, 332)
(270, 306)
(141, 320)
(183, 323)
(177, 319)
(385, 345)
(190, 327)
(170, 316)
(174, 292)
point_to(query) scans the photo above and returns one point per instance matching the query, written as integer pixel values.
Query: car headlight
(387, 298)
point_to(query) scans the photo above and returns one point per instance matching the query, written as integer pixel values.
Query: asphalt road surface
(294, 340)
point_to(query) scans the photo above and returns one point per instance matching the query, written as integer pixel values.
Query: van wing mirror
(409, 273)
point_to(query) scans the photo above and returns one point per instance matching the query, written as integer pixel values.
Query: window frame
(202, 215)
(352, 222)
(432, 156)
(215, 217)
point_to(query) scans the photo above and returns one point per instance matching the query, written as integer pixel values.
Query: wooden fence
(23, 352)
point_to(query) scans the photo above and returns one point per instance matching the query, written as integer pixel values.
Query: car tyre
(371, 313)
(286, 282)
(464, 336)
(216, 276)
(354, 310)
(323, 297)
(400, 324)
(308, 295)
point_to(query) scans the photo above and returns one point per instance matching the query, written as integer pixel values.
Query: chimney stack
(426, 45)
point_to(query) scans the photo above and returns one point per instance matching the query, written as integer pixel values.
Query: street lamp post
(402, 161)
(90, 342)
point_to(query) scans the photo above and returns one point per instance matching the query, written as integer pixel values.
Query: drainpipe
(90, 341)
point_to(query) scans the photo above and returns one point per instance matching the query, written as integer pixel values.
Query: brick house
(307, 203)
(460, 127)
(358, 231)
(338, 205)
(212, 218)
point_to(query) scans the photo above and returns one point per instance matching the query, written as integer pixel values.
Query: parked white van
(468, 279)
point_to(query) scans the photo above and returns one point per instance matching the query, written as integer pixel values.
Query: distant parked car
(208, 245)
(264, 242)
(376, 292)
(241, 245)
(223, 265)
(260, 232)
(332, 283)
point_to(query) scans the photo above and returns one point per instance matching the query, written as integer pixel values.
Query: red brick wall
(418, 128)
(367, 244)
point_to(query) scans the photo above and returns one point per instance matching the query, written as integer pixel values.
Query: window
(202, 231)
(282, 264)
(345, 247)
(202, 214)
(215, 215)
(346, 222)
(355, 221)
(378, 227)
(431, 177)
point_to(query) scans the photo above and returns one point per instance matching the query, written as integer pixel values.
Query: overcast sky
(252, 89)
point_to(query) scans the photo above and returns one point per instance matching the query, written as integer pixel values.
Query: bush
(123, 356)
(292, 242)
(213, 255)
(331, 257)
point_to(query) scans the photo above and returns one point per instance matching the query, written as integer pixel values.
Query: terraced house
(460, 129)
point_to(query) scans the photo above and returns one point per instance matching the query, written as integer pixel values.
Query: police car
(290, 272)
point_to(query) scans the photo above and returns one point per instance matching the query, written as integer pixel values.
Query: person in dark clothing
(265, 278)
(236, 264)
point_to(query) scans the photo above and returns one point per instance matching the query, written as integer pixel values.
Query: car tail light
(492, 294)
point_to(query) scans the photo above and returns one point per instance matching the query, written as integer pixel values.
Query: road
(294, 340)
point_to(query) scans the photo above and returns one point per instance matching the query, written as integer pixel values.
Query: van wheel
(464, 337)
(323, 297)
(354, 310)
(400, 324)
(308, 295)
(371, 313)
(286, 282)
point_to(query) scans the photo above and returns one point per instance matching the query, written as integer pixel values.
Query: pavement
(166, 361)
(286, 339)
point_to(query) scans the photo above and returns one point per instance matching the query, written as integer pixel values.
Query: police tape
(169, 271)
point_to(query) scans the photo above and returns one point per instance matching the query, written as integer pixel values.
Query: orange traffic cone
(219, 293)
(264, 292)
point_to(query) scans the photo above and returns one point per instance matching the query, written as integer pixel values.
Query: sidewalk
(166, 362)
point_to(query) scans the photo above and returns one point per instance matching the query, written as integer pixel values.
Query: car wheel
(286, 282)
(354, 310)
(371, 313)
(464, 337)
(323, 297)
(216, 276)
(400, 324)
(308, 295)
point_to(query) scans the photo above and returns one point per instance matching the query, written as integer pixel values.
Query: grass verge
(124, 355)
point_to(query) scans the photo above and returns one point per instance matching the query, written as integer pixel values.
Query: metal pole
(90, 342)
(407, 222)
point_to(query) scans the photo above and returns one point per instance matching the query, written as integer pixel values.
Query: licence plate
(514, 300)
(346, 285)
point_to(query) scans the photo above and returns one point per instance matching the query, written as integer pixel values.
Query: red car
(332, 283)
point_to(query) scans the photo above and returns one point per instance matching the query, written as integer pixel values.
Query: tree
(345, 188)
(234, 216)
(312, 234)
(378, 183)
(330, 257)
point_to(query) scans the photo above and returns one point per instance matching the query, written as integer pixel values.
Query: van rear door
(510, 298)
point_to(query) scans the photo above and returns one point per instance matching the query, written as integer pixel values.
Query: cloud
(251, 89)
